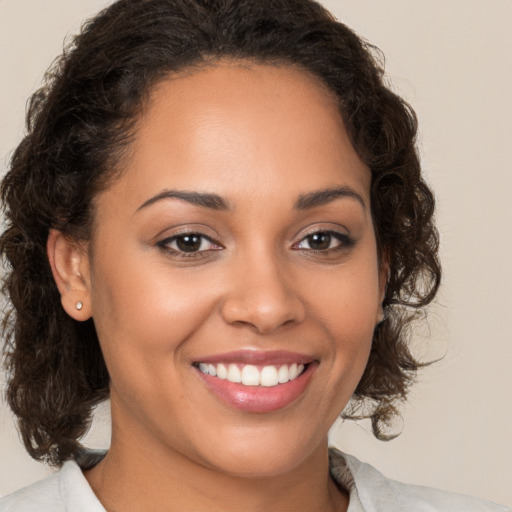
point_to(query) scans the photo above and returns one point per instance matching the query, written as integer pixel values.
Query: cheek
(143, 314)
(348, 299)
(347, 306)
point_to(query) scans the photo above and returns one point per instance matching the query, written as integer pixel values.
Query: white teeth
(283, 375)
(250, 375)
(222, 371)
(269, 376)
(234, 373)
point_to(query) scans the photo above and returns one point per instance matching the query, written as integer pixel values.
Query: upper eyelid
(185, 233)
(345, 239)
(341, 236)
(311, 230)
(338, 230)
(171, 238)
(183, 230)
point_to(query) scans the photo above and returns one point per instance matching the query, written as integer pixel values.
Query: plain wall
(452, 59)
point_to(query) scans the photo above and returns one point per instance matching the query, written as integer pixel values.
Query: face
(237, 244)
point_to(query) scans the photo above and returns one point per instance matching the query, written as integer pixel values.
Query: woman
(217, 219)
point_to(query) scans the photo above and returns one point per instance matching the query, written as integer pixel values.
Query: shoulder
(66, 490)
(375, 490)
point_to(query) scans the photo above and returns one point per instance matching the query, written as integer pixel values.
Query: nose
(261, 296)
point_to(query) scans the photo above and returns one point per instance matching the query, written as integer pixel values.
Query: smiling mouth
(256, 381)
(253, 375)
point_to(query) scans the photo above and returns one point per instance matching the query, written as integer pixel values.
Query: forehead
(242, 128)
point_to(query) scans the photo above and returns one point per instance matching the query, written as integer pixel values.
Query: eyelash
(344, 242)
(165, 245)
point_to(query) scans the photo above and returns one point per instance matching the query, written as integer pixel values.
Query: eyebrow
(216, 202)
(322, 197)
(205, 200)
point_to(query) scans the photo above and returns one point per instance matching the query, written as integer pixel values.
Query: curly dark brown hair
(81, 120)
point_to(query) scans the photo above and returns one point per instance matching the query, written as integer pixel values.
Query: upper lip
(258, 357)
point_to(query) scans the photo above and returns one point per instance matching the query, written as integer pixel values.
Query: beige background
(452, 59)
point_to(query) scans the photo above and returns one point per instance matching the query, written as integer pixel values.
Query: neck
(136, 476)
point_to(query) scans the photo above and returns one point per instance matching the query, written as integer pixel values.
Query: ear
(383, 283)
(69, 262)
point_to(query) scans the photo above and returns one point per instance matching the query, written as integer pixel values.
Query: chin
(265, 454)
(258, 465)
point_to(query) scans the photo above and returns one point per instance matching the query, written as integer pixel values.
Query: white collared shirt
(369, 490)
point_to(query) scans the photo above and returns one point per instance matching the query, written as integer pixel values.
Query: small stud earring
(79, 305)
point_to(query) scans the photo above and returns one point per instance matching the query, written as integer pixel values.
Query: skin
(260, 137)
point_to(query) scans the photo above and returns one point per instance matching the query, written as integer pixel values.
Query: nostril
(262, 300)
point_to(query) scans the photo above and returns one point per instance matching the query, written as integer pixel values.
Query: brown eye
(325, 241)
(189, 243)
(319, 241)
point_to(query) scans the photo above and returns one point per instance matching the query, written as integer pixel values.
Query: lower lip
(259, 398)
